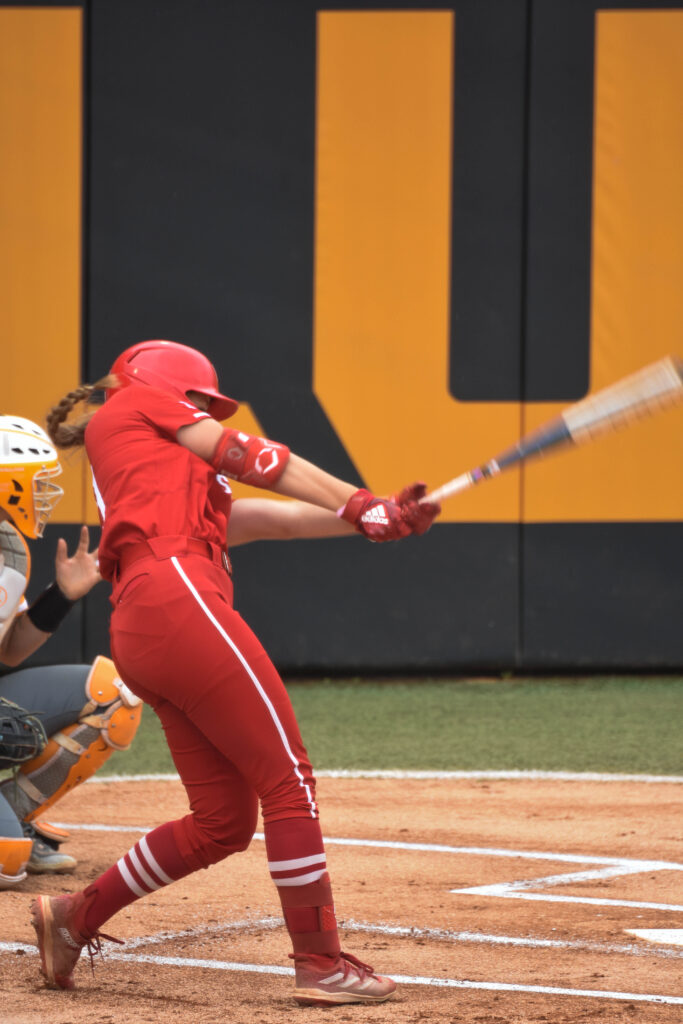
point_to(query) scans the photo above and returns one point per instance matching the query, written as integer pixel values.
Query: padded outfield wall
(405, 235)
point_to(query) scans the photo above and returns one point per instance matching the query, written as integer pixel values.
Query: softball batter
(161, 468)
(58, 724)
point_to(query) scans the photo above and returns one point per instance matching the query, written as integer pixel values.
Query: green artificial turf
(593, 724)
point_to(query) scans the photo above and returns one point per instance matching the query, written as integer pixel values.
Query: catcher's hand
(22, 735)
(78, 574)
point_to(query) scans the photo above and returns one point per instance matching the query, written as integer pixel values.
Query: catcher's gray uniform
(74, 717)
(58, 724)
(55, 696)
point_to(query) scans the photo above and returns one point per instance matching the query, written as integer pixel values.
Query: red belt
(167, 547)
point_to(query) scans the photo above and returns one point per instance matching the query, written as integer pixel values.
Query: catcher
(58, 724)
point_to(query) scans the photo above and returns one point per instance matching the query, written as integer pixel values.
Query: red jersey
(147, 484)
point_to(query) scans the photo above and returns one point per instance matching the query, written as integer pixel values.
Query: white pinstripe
(264, 696)
(98, 497)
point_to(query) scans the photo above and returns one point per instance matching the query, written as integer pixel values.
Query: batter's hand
(418, 516)
(77, 575)
(378, 519)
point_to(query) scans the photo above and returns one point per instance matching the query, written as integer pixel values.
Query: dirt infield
(450, 886)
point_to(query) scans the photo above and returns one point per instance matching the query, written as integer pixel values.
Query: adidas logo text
(376, 514)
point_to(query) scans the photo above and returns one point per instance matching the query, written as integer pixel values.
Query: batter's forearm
(309, 483)
(268, 519)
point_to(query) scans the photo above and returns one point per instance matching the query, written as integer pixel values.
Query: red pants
(179, 644)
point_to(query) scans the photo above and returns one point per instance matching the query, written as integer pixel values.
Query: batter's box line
(401, 979)
(271, 922)
(613, 867)
(391, 844)
(520, 890)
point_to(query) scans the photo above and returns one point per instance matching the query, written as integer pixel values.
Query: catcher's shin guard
(108, 722)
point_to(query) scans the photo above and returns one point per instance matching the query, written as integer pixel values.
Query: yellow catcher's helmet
(28, 466)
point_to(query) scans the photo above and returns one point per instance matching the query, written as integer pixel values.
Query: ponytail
(72, 434)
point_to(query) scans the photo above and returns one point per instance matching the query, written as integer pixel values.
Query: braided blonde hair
(72, 434)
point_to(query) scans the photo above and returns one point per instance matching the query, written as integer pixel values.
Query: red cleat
(332, 980)
(60, 938)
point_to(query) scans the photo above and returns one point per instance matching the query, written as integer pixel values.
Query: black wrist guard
(48, 610)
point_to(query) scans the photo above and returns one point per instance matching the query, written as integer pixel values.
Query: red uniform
(179, 644)
(176, 639)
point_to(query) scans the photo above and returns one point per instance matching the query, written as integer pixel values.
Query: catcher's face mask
(28, 467)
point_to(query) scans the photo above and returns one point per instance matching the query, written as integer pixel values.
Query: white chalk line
(444, 935)
(615, 867)
(213, 929)
(271, 922)
(401, 979)
(519, 890)
(584, 900)
(388, 844)
(361, 773)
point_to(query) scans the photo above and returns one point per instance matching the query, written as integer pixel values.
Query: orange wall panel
(382, 259)
(382, 274)
(40, 220)
(637, 296)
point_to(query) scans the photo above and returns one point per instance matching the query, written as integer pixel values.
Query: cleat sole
(41, 918)
(318, 997)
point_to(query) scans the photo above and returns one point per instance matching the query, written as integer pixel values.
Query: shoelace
(363, 969)
(94, 946)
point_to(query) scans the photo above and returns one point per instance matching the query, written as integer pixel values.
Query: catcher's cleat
(333, 980)
(47, 859)
(59, 923)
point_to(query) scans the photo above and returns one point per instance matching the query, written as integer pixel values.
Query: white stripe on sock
(300, 862)
(254, 679)
(313, 876)
(128, 878)
(152, 862)
(147, 879)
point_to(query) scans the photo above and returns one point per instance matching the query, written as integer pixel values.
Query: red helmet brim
(221, 407)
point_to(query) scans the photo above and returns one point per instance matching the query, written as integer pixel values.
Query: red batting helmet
(174, 368)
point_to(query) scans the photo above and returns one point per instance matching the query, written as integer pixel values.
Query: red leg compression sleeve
(296, 861)
(151, 864)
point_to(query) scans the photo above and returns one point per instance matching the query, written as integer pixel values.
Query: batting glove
(378, 519)
(418, 514)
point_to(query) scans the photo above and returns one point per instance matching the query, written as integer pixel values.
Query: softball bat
(654, 387)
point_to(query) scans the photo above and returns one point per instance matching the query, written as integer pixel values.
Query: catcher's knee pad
(14, 856)
(107, 722)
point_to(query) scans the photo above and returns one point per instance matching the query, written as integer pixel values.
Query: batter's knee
(204, 842)
(292, 796)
